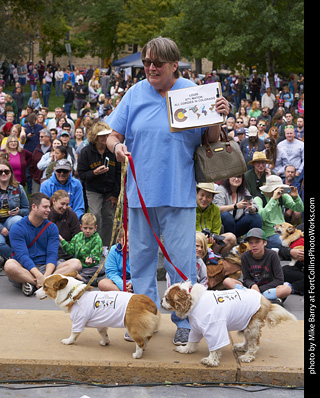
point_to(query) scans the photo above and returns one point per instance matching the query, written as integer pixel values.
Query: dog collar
(69, 295)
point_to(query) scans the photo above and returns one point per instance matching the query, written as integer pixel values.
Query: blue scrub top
(163, 160)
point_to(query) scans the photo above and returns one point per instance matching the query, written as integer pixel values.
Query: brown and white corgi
(290, 237)
(212, 314)
(101, 310)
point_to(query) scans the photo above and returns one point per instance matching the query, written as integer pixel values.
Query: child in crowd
(114, 267)
(86, 246)
(209, 217)
(201, 252)
(261, 269)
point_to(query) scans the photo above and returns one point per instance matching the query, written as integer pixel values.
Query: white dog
(212, 314)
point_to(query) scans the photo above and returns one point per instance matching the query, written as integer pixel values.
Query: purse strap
(223, 138)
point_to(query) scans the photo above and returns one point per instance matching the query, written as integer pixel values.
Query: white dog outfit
(99, 310)
(218, 312)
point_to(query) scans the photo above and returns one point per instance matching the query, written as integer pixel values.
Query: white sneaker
(127, 337)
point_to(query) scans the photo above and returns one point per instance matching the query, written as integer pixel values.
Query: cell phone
(106, 161)
(248, 197)
(16, 208)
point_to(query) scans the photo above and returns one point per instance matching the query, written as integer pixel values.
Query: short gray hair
(46, 132)
(164, 49)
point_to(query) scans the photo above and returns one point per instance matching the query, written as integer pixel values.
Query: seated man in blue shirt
(62, 179)
(35, 242)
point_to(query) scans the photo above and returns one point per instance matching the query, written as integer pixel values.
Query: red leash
(145, 212)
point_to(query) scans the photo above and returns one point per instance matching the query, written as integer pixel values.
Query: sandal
(28, 289)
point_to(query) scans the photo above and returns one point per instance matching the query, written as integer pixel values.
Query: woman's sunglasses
(156, 63)
(6, 172)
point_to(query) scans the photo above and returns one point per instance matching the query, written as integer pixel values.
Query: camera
(218, 238)
(286, 189)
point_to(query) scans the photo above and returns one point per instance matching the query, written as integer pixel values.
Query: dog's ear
(242, 247)
(182, 301)
(291, 229)
(61, 284)
(73, 274)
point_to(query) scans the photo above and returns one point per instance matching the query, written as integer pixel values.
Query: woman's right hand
(121, 152)
(100, 170)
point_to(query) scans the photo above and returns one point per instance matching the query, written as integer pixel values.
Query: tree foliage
(143, 20)
(241, 33)
(236, 34)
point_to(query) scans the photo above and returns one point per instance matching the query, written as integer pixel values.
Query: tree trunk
(198, 65)
(271, 72)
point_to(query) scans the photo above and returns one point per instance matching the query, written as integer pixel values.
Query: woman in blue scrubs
(165, 173)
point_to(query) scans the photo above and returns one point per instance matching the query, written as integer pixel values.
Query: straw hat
(207, 186)
(259, 157)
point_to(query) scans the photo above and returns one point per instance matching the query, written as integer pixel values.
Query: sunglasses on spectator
(63, 171)
(261, 124)
(289, 127)
(156, 63)
(6, 172)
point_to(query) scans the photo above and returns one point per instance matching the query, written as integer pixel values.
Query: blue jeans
(5, 249)
(177, 226)
(274, 241)
(242, 225)
(22, 81)
(45, 99)
(67, 108)
(58, 88)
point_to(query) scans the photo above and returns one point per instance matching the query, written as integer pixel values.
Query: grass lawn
(54, 101)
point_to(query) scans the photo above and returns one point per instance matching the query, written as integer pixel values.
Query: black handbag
(218, 161)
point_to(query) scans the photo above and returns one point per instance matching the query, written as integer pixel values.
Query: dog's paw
(208, 361)
(246, 358)
(239, 347)
(182, 349)
(189, 348)
(104, 341)
(138, 353)
(67, 341)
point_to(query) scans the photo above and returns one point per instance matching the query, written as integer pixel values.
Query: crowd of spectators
(60, 168)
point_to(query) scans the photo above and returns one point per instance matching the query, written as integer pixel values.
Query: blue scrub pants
(177, 226)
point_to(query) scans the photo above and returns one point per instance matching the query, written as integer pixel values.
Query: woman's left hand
(14, 212)
(294, 192)
(113, 201)
(222, 106)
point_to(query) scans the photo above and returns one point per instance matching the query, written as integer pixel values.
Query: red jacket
(35, 173)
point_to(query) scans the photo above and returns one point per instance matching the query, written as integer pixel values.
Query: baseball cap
(252, 131)
(64, 133)
(255, 233)
(241, 130)
(63, 164)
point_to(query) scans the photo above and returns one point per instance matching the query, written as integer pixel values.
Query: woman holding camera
(239, 212)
